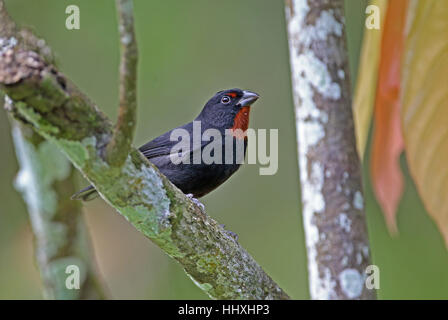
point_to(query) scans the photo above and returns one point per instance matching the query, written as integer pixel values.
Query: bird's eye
(225, 100)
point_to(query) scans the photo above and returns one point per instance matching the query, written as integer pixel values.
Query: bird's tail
(86, 194)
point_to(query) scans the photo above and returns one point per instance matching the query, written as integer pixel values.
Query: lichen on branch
(330, 175)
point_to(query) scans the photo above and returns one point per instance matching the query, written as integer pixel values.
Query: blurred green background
(188, 51)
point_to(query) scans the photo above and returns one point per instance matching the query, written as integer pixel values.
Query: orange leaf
(387, 137)
(424, 111)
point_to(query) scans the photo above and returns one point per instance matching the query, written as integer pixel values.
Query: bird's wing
(162, 145)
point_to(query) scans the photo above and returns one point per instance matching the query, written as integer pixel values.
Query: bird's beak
(248, 98)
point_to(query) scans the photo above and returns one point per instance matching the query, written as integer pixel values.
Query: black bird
(228, 109)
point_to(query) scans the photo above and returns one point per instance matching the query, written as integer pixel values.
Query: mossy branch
(61, 114)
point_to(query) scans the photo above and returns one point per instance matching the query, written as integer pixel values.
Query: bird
(227, 111)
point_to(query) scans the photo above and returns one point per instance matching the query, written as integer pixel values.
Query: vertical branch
(330, 176)
(46, 181)
(123, 134)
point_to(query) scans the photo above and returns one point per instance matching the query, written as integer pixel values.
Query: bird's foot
(230, 233)
(196, 202)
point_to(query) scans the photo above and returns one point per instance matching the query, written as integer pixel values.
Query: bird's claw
(196, 202)
(230, 233)
(202, 207)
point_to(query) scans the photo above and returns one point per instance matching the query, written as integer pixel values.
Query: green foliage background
(188, 51)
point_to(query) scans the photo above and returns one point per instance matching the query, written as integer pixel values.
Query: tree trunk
(330, 175)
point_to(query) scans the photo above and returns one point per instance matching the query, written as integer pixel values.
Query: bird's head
(228, 109)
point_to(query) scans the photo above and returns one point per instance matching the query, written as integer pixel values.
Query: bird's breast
(241, 123)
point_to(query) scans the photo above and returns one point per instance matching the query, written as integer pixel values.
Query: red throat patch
(241, 122)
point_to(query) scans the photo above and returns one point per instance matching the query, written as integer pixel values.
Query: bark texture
(330, 175)
(59, 112)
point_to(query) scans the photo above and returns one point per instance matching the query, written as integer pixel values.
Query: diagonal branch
(60, 113)
(123, 134)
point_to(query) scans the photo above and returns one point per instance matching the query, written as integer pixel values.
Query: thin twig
(120, 143)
